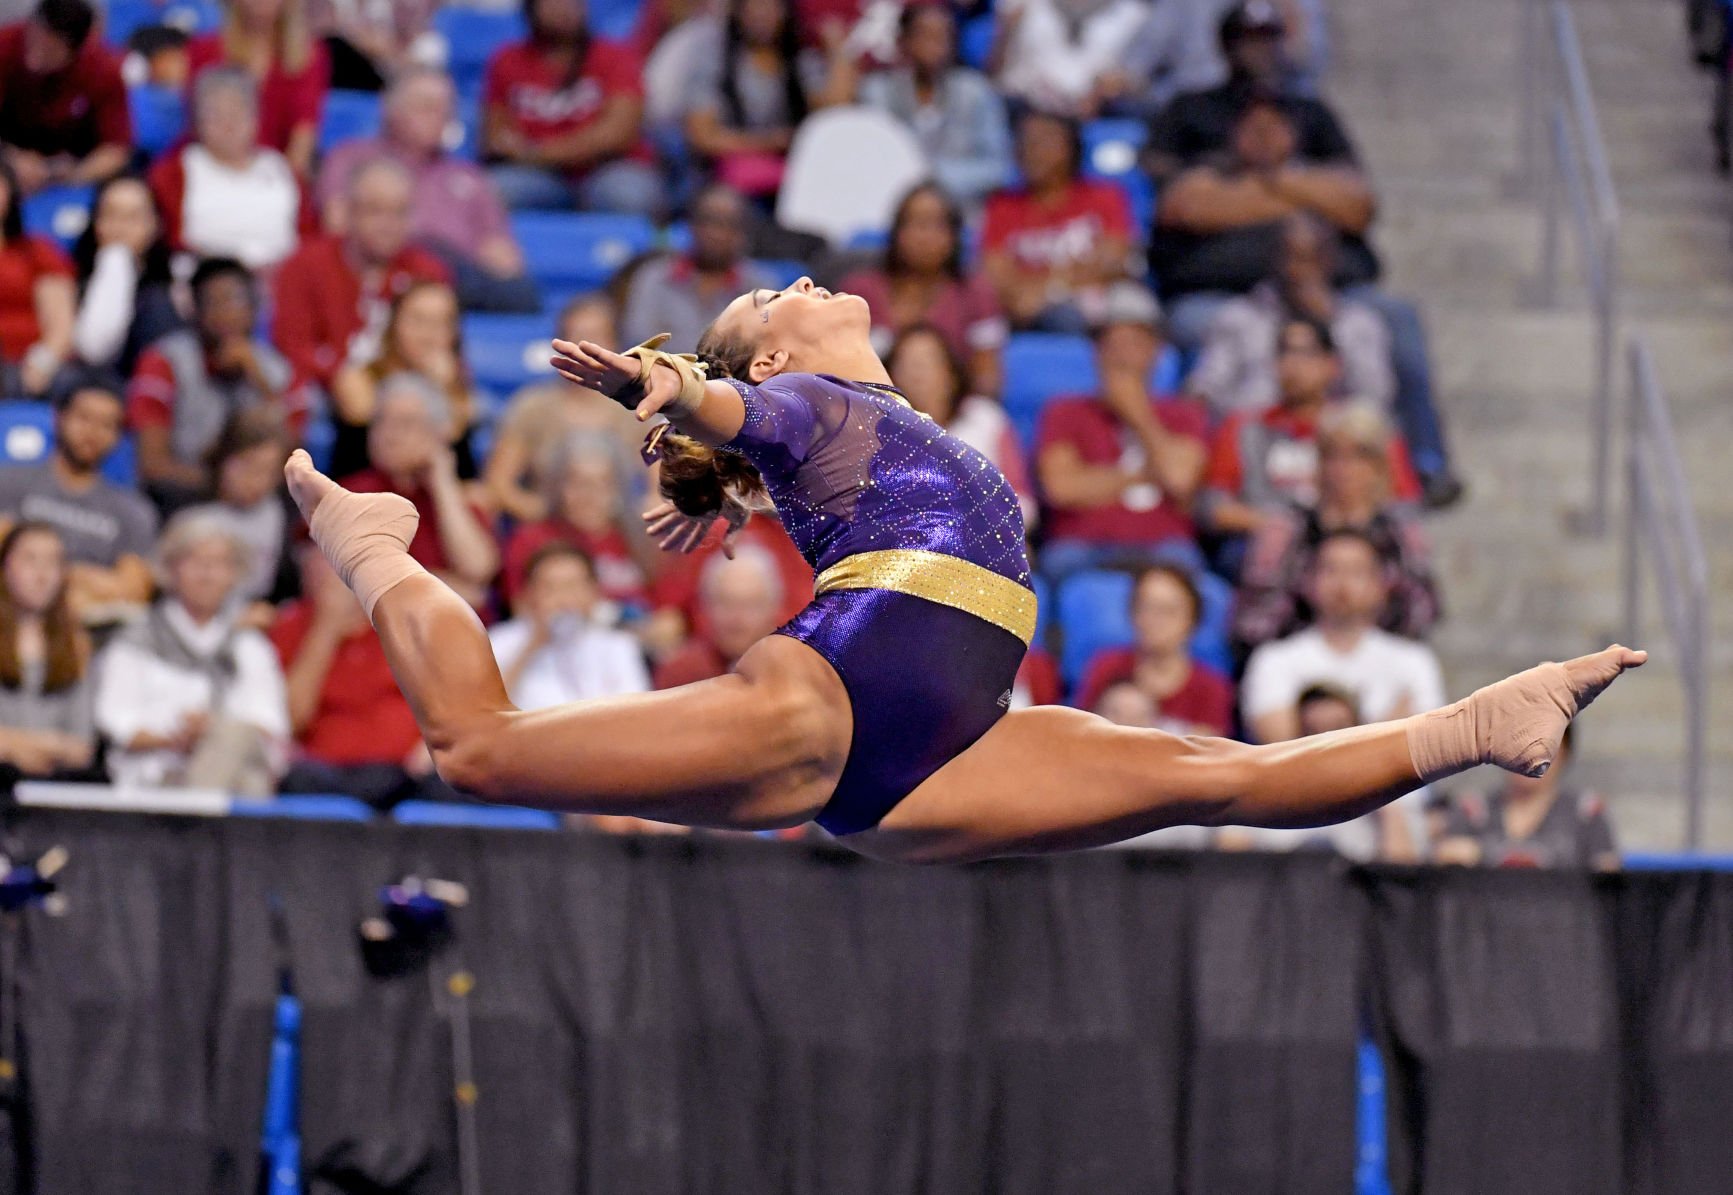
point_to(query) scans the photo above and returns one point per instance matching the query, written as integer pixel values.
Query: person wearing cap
(1118, 470)
(1254, 42)
(1178, 49)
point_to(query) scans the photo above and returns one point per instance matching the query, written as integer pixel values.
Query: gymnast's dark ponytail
(694, 475)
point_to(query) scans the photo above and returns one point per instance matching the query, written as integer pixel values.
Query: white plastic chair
(847, 169)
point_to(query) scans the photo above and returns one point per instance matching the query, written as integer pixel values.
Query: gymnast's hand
(589, 364)
(676, 531)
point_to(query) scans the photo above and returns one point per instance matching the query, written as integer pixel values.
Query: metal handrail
(1660, 516)
(1573, 161)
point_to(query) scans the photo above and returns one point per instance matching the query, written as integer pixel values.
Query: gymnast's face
(801, 329)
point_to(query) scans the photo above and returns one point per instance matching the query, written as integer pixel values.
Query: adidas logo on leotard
(1005, 700)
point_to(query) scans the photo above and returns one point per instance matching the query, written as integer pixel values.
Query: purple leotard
(852, 468)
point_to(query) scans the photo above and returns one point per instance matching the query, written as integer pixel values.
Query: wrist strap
(686, 365)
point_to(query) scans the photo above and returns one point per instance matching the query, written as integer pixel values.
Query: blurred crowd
(1225, 489)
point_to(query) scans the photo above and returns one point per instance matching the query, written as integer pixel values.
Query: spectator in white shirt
(554, 651)
(225, 194)
(1388, 676)
(1066, 55)
(187, 696)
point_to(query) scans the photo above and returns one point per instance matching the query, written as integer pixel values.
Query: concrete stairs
(1432, 93)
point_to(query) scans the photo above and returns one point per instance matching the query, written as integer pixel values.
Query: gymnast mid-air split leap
(880, 710)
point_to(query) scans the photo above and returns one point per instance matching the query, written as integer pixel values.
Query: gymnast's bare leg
(758, 749)
(1055, 779)
(765, 746)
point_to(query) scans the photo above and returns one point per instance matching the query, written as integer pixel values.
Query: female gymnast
(880, 710)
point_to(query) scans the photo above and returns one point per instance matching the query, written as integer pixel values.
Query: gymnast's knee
(467, 754)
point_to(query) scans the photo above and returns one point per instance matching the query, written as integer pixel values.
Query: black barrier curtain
(681, 1015)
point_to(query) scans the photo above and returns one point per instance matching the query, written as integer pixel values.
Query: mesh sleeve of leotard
(785, 419)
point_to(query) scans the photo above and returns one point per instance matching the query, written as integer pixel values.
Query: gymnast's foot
(1518, 722)
(366, 537)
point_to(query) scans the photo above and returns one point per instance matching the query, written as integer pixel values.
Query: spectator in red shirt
(1051, 247)
(922, 281)
(1262, 461)
(587, 497)
(36, 300)
(739, 600)
(63, 107)
(354, 732)
(406, 443)
(189, 384)
(271, 40)
(562, 116)
(333, 297)
(1118, 471)
(224, 194)
(1188, 697)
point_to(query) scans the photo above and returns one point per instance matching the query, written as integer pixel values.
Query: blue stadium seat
(320, 438)
(1039, 367)
(26, 432)
(1043, 608)
(59, 213)
(1042, 366)
(159, 117)
(614, 19)
(870, 240)
(121, 467)
(463, 137)
(580, 251)
(498, 817)
(348, 115)
(1670, 861)
(1110, 151)
(975, 41)
(123, 18)
(1093, 610)
(506, 351)
(472, 35)
(1111, 145)
(309, 807)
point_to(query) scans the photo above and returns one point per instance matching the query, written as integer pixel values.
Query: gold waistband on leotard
(948, 580)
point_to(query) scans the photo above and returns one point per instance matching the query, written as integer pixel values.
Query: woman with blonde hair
(189, 695)
(272, 41)
(423, 336)
(1354, 493)
(45, 716)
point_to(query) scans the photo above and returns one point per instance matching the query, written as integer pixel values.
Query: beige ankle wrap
(366, 539)
(1516, 723)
